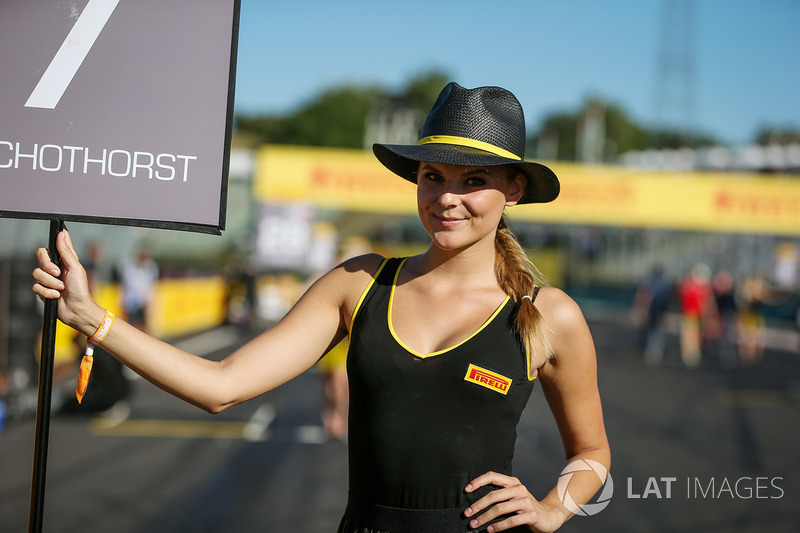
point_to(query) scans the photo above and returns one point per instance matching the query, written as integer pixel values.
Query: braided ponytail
(518, 276)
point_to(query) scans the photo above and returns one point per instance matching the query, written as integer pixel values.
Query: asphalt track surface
(703, 450)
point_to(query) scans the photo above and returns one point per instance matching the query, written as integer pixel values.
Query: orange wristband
(102, 331)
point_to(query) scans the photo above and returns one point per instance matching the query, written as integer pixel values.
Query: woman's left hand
(512, 498)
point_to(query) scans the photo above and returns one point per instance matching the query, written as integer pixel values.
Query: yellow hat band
(471, 143)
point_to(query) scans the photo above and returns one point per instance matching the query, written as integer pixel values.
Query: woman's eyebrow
(477, 170)
(469, 170)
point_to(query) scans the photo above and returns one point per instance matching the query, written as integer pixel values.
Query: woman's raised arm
(316, 323)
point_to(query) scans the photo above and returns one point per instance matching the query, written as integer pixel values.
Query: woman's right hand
(69, 285)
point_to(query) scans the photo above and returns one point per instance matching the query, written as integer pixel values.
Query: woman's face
(461, 205)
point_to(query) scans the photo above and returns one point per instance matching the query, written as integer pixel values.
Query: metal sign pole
(45, 395)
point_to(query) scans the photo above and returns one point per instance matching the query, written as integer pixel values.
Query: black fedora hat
(484, 126)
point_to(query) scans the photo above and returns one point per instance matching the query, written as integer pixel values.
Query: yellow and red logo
(488, 379)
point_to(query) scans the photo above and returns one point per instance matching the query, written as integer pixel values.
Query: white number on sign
(69, 57)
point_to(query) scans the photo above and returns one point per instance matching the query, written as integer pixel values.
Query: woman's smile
(449, 221)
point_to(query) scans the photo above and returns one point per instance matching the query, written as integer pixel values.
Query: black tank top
(422, 426)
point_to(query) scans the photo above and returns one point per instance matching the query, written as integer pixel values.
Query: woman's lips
(448, 222)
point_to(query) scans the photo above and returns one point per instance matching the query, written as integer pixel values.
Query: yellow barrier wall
(185, 305)
(618, 196)
(350, 180)
(593, 195)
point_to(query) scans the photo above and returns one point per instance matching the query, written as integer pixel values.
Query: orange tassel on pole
(83, 376)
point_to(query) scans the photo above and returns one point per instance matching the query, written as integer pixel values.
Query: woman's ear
(516, 188)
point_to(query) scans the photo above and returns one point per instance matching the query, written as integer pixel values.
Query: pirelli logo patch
(488, 379)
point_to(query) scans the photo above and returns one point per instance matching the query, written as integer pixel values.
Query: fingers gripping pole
(45, 395)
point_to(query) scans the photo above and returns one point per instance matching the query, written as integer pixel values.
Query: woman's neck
(471, 266)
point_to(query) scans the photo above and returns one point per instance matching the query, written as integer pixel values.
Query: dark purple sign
(117, 111)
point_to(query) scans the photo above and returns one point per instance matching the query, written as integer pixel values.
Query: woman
(444, 346)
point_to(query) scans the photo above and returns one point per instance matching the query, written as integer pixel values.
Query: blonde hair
(518, 277)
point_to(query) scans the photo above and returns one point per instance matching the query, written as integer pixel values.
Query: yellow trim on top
(364, 293)
(528, 363)
(471, 143)
(439, 352)
(527, 351)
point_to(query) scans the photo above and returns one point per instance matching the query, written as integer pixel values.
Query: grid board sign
(117, 111)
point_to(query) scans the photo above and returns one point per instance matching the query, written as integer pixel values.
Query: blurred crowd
(714, 314)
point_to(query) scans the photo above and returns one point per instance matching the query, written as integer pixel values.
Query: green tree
(560, 130)
(333, 118)
(662, 139)
(421, 92)
(622, 134)
(337, 116)
(770, 135)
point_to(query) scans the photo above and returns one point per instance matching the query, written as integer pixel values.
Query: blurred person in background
(335, 387)
(697, 308)
(725, 330)
(444, 346)
(335, 391)
(650, 306)
(138, 279)
(751, 320)
(240, 294)
(4, 389)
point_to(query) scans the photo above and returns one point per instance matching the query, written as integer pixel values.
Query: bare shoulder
(351, 277)
(559, 310)
(568, 332)
(366, 264)
(357, 270)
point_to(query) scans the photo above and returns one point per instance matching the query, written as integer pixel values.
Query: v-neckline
(438, 352)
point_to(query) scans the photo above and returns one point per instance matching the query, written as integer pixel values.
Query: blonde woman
(445, 347)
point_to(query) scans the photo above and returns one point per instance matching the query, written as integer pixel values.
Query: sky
(552, 54)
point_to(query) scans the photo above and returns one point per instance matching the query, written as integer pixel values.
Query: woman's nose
(449, 194)
(448, 198)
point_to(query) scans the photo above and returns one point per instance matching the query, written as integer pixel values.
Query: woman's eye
(476, 182)
(432, 176)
